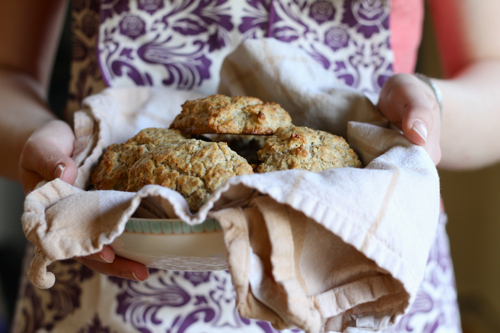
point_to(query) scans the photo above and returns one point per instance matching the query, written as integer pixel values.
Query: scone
(156, 136)
(111, 173)
(230, 115)
(192, 167)
(307, 149)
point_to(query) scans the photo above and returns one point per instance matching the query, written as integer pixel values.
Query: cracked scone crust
(111, 173)
(191, 167)
(307, 149)
(230, 115)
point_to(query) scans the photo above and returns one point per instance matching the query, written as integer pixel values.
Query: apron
(182, 44)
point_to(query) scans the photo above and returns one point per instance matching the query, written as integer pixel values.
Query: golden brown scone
(192, 167)
(307, 149)
(156, 136)
(230, 115)
(111, 173)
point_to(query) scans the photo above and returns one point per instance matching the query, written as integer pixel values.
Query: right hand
(46, 156)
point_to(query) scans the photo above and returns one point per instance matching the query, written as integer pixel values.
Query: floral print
(78, 5)
(109, 8)
(89, 25)
(181, 44)
(336, 38)
(367, 17)
(96, 327)
(197, 278)
(150, 6)
(132, 26)
(322, 11)
(174, 48)
(184, 302)
(86, 76)
(39, 309)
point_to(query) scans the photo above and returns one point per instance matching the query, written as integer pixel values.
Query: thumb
(411, 105)
(421, 120)
(422, 127)
(45, 163)
(46, 156)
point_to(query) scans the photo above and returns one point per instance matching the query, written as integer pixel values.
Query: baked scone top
(307, 149)
(111, 173)
(230, 115)
(155, 136)
(165, 157)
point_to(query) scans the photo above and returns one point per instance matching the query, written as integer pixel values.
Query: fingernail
(104, 259)
(130, 275)
(419, 127)
(99, 257)
(59, 171)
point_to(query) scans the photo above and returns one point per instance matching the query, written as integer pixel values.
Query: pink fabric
(406, 26)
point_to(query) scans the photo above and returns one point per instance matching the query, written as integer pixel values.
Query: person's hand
(105, 262)
(46, 156)
(411, 105)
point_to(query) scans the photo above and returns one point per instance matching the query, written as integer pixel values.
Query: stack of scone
(193, 156)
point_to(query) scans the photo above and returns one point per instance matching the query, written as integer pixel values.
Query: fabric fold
(270, 248)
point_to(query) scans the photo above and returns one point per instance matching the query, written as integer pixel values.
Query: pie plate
(171, 244)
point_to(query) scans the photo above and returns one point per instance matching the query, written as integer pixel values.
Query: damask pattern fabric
(85, 74)
(182, 44)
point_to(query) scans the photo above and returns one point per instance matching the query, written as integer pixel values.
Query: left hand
(411, 105)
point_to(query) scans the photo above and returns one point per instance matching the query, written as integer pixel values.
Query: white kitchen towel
(344, 248)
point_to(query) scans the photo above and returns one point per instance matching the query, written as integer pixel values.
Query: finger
(411, 105)
(421, 121)
(120, 267)
(391, 90)
(106, 255)
(421, 125)
(41, 161)
(404, 100)
(47, 153)
(418, 119)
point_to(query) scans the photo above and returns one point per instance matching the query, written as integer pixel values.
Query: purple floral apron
(182, 44)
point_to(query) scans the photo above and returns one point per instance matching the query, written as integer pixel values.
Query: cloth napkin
(340, 250)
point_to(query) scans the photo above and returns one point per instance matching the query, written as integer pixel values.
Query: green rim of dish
(174, 227)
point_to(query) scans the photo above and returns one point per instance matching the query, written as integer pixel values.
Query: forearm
(22, 111)
(470, 135)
